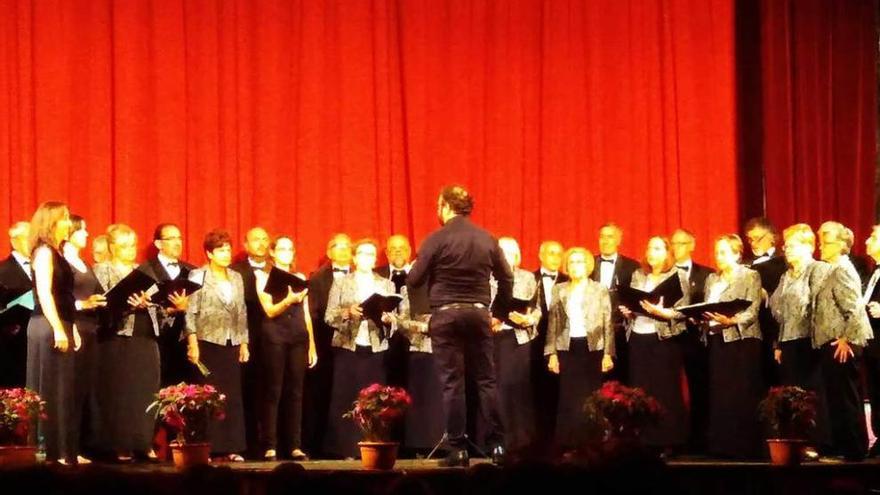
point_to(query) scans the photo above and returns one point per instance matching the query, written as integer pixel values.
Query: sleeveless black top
(62, 287)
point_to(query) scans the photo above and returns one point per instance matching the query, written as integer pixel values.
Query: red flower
(377, 409)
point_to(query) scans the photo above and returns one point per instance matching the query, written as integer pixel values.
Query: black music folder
(279, 281)
(669, 290)
(134, 283)
(377, 304)
(726, 308)
(166, 288)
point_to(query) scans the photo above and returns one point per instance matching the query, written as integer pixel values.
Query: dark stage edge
(681, 476)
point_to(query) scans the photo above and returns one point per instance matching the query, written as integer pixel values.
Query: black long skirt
(424, 420)
(801, 367)
(514, 385)
(128, 370)
(352, 371)
(656, 366)
(580, 374)
(735, 389)
(51, 374)
(87, 359)
(227, 435)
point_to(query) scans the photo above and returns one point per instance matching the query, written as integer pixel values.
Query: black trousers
(513, 365)
(872, 379)
(695, 356)
(801, 367)
(284, 370)
(580, 374)
(461, 339)
(849, 434)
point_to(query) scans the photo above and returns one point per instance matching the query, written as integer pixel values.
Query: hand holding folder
(668, 291)
(724, 308)
(280, 281)
(120, 295)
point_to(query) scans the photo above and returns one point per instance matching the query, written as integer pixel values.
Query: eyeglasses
(754, 239)
(174, 238)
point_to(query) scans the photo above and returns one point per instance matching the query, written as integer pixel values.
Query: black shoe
(498, 455)
(875, 449)
(458, 458)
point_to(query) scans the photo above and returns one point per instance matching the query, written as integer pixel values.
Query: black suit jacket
(251, 301)
(153, 267)
(697, 282)
(624, 267)
(13, 277)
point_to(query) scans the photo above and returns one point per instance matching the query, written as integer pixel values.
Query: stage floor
(686, 476)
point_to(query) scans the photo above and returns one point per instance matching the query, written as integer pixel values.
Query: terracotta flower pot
(786, 452)
(190, 454)
(17, 456)
(378, 455)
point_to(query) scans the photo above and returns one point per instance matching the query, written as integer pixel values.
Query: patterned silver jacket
(840, 311)
(746, 284)
(597, 313)
(343, 295)
(210, 317)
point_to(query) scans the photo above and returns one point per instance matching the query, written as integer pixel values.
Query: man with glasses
(319, 380)
(761, 236)
(167, 265)
(841, 331)
(694, 352)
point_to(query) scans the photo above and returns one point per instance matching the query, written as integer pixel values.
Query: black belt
(461, 306)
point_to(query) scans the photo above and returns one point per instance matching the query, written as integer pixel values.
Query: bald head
(256, 244)
(19, 238)
(339, 249)
(398, 250)
(550, 255)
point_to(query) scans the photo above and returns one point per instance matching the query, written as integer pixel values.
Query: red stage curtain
(310, 117)
(820, 112)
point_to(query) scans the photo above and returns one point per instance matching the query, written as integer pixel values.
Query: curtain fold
(314, 117)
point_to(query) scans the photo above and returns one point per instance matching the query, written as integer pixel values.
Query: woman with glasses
(580, 342)
(359, 344)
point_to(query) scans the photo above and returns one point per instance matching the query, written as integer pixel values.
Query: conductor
(456, 261)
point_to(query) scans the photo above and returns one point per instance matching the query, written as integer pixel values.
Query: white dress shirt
(547, 285)
(23, 262)
(172, 267)
(577, 327)
(764, 257)
(606, 270)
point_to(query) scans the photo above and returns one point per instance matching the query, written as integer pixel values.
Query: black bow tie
(174, 263)
(340, 270)
(683, 267)
(548, 275)
(603, 260)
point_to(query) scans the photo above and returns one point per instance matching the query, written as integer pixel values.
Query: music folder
(8, 295)
(726, 308)
(134, 283)
(279, 281)
(377, 304)
(166, 288)
(669, 290)
(521, 306)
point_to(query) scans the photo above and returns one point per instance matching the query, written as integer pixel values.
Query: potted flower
(790, 414)
(377, 411)
(185, 410)
(615, 416)
(20, 409)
